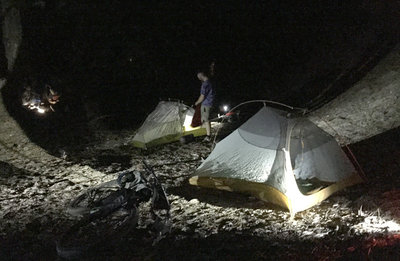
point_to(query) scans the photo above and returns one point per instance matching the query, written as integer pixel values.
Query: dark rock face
(12, 32)
(380, 154)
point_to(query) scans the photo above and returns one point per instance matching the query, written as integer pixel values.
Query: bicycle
(112, 209)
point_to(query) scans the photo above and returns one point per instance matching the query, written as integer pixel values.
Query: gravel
(206, 224)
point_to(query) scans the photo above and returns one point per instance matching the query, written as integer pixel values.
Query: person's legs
(208, 128)
(205, 114)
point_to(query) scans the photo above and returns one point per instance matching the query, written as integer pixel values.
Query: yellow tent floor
(296, 203)
(198, 131)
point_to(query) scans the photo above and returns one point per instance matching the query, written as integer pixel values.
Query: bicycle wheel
(88, 236)
(93, 198)
(108, 212)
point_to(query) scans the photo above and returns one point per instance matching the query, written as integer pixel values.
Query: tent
(288, 161)
(167, 123)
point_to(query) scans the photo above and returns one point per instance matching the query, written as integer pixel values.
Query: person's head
(202, 76)
(52, 96)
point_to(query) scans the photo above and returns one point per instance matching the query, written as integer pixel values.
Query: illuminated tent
(287, 161)
(167, 123)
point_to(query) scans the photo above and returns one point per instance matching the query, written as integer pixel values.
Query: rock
(370, 107)
(194, 201)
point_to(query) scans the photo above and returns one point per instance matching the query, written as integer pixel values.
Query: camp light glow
(188, 121)
(225, 108)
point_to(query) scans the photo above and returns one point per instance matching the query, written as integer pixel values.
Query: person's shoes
(207, 139)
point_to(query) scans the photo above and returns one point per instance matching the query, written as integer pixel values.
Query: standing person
(206, 99)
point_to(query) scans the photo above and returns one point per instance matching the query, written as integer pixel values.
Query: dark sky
(125, 55)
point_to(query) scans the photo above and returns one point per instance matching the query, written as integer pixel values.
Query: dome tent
(286, 161)
(169, 121)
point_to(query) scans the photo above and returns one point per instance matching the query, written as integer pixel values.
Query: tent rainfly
(167, 123)
(286, 161)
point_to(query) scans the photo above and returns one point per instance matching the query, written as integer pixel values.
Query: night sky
(123, 56)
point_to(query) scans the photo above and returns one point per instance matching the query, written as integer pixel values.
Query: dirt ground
(359, 223)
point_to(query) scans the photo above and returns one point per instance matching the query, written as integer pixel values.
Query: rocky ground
(360, 222)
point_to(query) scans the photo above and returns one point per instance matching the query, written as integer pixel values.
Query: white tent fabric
(168, 118)
(316, 154)
(236, 158)
(275, 150)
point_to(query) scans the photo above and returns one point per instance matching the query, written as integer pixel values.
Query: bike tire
(90, 235)
(92, 198)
